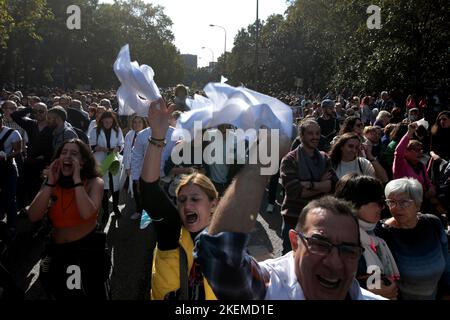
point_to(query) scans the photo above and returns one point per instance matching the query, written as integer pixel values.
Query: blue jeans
(8, 195)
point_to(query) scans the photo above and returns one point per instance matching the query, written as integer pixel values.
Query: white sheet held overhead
(137, 88)
(240, 107)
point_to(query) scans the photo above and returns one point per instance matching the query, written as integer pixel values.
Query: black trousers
(77, 270)
(273, 186)
(137, 196)
(105, 201)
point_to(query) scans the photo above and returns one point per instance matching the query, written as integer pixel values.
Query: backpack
(4, 138)
(4, 165)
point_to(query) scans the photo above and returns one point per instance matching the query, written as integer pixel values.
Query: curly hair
(336, 150)
(90, 169)
(348, 124)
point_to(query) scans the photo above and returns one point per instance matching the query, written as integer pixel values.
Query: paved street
(131, 252)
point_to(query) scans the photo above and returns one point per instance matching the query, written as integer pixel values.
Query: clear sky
(191, 20)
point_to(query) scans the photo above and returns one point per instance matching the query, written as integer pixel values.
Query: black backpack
(4, 164)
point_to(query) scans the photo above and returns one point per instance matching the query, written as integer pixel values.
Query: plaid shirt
(232, 273)
(235, 275)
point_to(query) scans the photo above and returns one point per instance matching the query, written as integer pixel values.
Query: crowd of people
(369, 177)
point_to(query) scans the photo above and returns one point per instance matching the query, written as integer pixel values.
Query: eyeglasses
(323, 248)
(403, 204)
(418, 150)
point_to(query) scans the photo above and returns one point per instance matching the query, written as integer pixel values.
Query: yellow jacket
(166, 269)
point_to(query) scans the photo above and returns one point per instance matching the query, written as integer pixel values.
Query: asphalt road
(131, 253)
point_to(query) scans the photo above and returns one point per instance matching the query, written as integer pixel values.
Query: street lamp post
(212, 53)
(225, 47)
(257, 46)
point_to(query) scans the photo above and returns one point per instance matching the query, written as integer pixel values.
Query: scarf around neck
(316, 164)
(376, 251)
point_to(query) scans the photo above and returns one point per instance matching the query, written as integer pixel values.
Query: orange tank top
(64, 211)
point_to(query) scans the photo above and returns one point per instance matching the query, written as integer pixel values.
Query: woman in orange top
(75, 263)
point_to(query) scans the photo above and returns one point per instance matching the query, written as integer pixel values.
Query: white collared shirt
(285, 286)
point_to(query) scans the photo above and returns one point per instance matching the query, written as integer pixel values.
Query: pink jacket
(401, 167)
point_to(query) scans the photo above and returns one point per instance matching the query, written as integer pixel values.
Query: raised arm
(400, 151)
(238, 209)
(403, 144)
(158, 121)
(20, 117)
(166, 220)
(240, 205)
(222, 252)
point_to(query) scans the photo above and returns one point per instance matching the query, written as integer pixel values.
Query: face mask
(366, 225)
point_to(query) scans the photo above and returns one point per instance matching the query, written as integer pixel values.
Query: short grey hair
(410, 186)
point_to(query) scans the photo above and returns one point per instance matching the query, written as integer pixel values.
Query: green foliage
(327, 43)
(42, 50)
(5, 23)
(324, 42)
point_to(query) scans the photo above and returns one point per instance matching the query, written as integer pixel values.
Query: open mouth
(191, 217)
(329, 283)
(67, 165)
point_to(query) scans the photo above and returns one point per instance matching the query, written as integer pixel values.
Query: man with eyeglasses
(322, 264)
